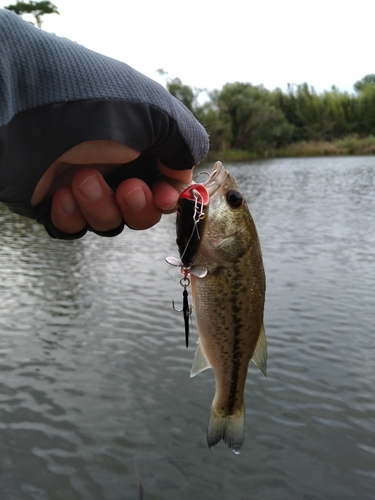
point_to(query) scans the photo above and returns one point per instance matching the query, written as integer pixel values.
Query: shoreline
(347, 146)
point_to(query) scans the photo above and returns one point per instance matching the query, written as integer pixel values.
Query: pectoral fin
(200, 362)
(260, 353)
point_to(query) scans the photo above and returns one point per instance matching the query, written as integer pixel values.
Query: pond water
(96, 401)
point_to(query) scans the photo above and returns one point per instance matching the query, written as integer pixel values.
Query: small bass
(228, 301)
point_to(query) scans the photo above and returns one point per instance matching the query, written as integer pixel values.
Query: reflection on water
(95, 389)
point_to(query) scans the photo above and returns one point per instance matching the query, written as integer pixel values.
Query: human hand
(90, 98)
(81, 195)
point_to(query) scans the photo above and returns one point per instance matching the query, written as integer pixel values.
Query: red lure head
(192, 212)
(189, 193)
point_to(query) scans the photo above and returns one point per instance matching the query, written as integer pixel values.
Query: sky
(207, 43)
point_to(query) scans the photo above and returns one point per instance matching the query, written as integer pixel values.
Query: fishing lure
(192, 211)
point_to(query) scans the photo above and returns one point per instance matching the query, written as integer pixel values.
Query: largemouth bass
(228, 302)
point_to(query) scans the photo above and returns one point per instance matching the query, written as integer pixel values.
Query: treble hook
(210, 175)
(186, 308)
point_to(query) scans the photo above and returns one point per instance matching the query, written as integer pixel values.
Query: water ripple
(95, 392)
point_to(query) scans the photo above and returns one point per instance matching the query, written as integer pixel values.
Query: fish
(228, 302)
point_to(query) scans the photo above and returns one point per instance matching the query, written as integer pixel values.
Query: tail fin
(230, 428)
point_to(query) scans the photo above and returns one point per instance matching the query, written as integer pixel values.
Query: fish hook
(210, 175)
(186, 308)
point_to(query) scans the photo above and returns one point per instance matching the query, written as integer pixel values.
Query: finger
(166, 194)
(105, 154)
(96, 200)
(65, 212)
(184, 176)
(101, 151)
(167, 191)
(135, 200)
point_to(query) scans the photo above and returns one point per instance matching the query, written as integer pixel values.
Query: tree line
(249, 117)
(37, 9)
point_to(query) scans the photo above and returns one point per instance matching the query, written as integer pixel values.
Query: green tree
(366, 80)
(256, 123)
(252, 118)
(366, 111)
(37, 9)
(287, 103)
(182, 92)
(318, 116)
(217, 125)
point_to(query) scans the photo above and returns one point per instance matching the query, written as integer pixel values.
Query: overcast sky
(208, 43)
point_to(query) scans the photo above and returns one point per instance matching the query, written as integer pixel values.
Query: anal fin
(260, 354)
(200, 362)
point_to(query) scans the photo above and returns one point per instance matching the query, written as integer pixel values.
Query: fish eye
(234, 198)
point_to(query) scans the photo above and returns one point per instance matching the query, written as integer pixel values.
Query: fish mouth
(217, 177)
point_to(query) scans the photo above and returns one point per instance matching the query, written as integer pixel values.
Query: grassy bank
(350, 145)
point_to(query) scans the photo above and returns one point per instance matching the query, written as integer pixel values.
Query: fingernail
(69, 205)
(135, 199)
(91, 188)
(167, 209)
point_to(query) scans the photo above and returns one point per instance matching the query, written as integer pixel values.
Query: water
(96, 401)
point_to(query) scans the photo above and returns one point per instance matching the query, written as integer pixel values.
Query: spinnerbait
(192, 211)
